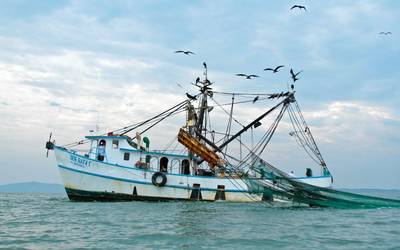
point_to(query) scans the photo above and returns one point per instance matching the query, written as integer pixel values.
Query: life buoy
(159, 179)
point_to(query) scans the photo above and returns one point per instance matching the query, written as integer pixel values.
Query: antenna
(205, 70)
(97, 122)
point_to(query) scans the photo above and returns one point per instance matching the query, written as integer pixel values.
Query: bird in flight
(294, 78)
(255, 99)
(187, 52)
(275, 69)
(247, 76)
(385, 33)
(299, 7)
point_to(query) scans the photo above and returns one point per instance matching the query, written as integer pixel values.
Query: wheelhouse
(122, 150)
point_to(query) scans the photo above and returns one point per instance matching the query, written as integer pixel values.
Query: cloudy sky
(67, 65)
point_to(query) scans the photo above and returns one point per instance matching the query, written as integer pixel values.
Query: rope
(241, 94)
(226, 112)
(304, 136)
(128, 128)
(228, 127)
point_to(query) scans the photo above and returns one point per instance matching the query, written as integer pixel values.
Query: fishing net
(277, 185)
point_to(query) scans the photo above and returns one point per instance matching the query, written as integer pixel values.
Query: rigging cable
(305, 142)
(229, 126)
(126, 128)
(309, 132)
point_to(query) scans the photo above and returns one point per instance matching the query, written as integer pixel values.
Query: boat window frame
(182, 171)
(115, 143)
(127, 156)
(172, 167)
(164, 170)
(154, 161)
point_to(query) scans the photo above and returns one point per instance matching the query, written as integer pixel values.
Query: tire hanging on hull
(159, 179)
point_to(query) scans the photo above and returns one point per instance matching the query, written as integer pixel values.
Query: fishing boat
(121, 165)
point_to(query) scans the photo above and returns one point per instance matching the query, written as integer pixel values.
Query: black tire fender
(155, 179)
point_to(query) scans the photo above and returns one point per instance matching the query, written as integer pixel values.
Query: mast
(198, 119)
(203, 104)
(201, 112)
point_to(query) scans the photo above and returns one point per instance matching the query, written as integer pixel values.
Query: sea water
(51, 221)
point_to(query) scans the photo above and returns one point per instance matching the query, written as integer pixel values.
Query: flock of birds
(294, 76)
(273, 70)
(251, 76)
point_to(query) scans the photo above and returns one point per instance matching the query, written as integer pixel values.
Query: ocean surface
(51, 221)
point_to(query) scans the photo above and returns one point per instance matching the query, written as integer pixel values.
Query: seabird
(275, 69)
(294, 75)
(247, 76)
(197, 80)
(299, 7)
(385, 33)
(186, 52)
(205, 64)
(255, 99)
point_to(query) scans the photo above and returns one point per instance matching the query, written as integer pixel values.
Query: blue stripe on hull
(151, 171)
(145, 183)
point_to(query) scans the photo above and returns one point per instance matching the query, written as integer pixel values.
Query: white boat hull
(88, 179)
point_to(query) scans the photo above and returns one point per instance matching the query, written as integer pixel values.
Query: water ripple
(43, 221)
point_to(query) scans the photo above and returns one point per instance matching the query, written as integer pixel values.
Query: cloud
(67, 67)
(54, 104)
(351, 123)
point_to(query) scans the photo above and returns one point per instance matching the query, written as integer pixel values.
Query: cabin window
(185, 168)
(148, 159)
(101, 150)
(126, 156)
(115, 143)
(154, 162)
(174, 168)
(164, 164)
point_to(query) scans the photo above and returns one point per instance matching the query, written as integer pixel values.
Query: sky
(66, 66)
